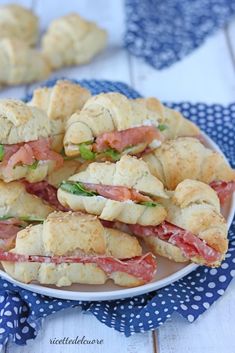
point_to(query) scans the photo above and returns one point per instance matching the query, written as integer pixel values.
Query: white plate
(168, 272)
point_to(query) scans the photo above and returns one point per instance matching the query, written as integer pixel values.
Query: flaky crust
(66, 233)
(69, 168)
(194, 206)
(113, 111)
(60, 102)
(186, 157)
(71, 40)
(17, 22)
(176, 124)
(16, 202)
(21, 123)
(130, 172)
(21, 64)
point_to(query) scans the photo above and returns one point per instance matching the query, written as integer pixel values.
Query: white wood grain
(231, 38)
(213, 332)
(71, 323)
(206, 75)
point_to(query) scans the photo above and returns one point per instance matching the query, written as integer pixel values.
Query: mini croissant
(20, 64)
(121, 191)
(71, 40)
(186, 157)
(111, 120)
(194, 228)
(95, 252)
(17, 22)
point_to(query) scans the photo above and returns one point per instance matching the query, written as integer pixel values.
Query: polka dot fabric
(22, 311)
(164, 32)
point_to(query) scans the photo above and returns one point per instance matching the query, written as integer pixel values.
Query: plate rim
(124, 292)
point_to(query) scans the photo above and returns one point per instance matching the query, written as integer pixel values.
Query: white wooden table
(207, 75)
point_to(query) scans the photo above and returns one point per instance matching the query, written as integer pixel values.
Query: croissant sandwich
(21, 64)
(17, 22)
(194, 228)
(75, 248)
(60, 102)
(110, 125)
(18, 209)
(71, 40)
(187, 158)
(123, 191)
(25, 143)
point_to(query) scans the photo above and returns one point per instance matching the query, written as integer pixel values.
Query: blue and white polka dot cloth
(163, 32)
(21, 311)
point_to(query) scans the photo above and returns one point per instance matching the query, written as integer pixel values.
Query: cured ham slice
(28, 153)
(117, 193)
(8, 231)
(46, 192)
(189, 243)
(119, 140)
(142, 267)
(223, 189)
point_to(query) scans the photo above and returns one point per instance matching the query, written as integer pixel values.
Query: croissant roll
(194, 229)
(17, 22)
(21, 64)
(187, 158)
(112, 121)
(116, 192)
(25, 143)
(71, 40)
(76, 248)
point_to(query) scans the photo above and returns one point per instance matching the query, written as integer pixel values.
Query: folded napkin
(163, 32)
(21, 311)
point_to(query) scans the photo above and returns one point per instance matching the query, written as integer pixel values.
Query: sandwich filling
(190, 245)
(117, 193)
(223, 189)
(110, 145)
(28, 154)
(142, 267)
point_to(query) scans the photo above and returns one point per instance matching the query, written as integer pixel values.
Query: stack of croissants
(69, 40)
(97, 187)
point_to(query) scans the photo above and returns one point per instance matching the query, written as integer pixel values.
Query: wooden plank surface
(207, 75)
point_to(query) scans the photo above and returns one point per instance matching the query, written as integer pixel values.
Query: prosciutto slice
(142, 267)
(223, 189)
(119, 140)
(117, 193)
(8, 231)
(28, 153)
(188, 243)
(46, 192)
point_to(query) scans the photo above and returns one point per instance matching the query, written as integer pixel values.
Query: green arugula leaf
(33, 166)
(85, 152)
(1, 152)
(4, 218)
(150, 203)
(162, 127)
(113, 154)
(76, 188)
(31, 219)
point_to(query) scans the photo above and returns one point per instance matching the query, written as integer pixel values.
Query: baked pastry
(17, 210)
(194, 228)
(123, 191)
(25, 145)
(71, 40)
(17, 22)
(187, 158)
(76, 248)
(60, 102)
(21, 64)
(16, 202)
(110, 125)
